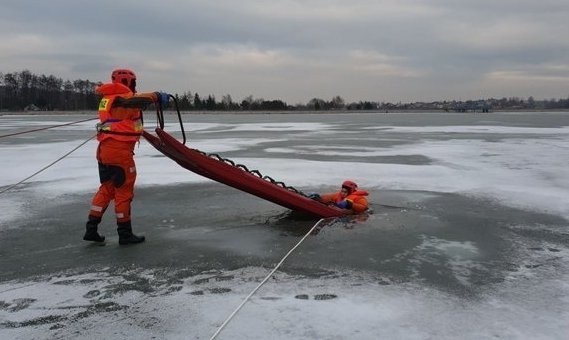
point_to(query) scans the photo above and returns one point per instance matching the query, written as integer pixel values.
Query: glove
(347, 204)
(163, 98)
(314, 196)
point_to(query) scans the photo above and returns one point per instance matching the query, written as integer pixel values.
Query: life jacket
(118, 123)
(358, 199)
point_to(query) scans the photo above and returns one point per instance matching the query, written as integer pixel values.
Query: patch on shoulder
(103, 104)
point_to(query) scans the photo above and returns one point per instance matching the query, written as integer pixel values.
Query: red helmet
(351, 186)
(125, 77)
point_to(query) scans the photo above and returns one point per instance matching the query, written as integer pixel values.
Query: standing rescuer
(119, 129)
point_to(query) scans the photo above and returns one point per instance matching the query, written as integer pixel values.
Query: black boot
(126, 236)
(91, 233)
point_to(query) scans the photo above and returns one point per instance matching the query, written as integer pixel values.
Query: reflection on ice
(458, 257)
(454, 250)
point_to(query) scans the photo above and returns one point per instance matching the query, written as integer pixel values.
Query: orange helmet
(351, 186)
(125, 77)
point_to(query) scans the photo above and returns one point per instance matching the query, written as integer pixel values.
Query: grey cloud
(297, 49)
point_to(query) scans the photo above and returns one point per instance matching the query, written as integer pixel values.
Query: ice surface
(517, 172)
(287, 307)
(519, 167)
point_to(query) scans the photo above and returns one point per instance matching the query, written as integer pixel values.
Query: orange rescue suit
(358, 199)
(120, 127)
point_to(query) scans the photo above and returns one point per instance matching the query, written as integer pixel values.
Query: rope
(263, 282)
(253, 172)
(47, 166)
(45, 128)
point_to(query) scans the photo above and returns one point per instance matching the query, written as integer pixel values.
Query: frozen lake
(469, 236)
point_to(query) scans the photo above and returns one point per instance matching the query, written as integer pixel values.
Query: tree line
(26, 91)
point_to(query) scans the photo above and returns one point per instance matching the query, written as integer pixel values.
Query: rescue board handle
(160, 117)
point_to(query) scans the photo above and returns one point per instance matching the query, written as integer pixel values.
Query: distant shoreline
(94, 112)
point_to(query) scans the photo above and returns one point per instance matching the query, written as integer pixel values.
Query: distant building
(32, 107)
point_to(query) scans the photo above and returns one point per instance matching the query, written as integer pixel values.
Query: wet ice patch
(539, 250)
(454, 250)
(463, 129)
(461, 259)
(281, 126)
(230, 144)
(11, 207)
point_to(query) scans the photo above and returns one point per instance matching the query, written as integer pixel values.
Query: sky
(380, 50)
